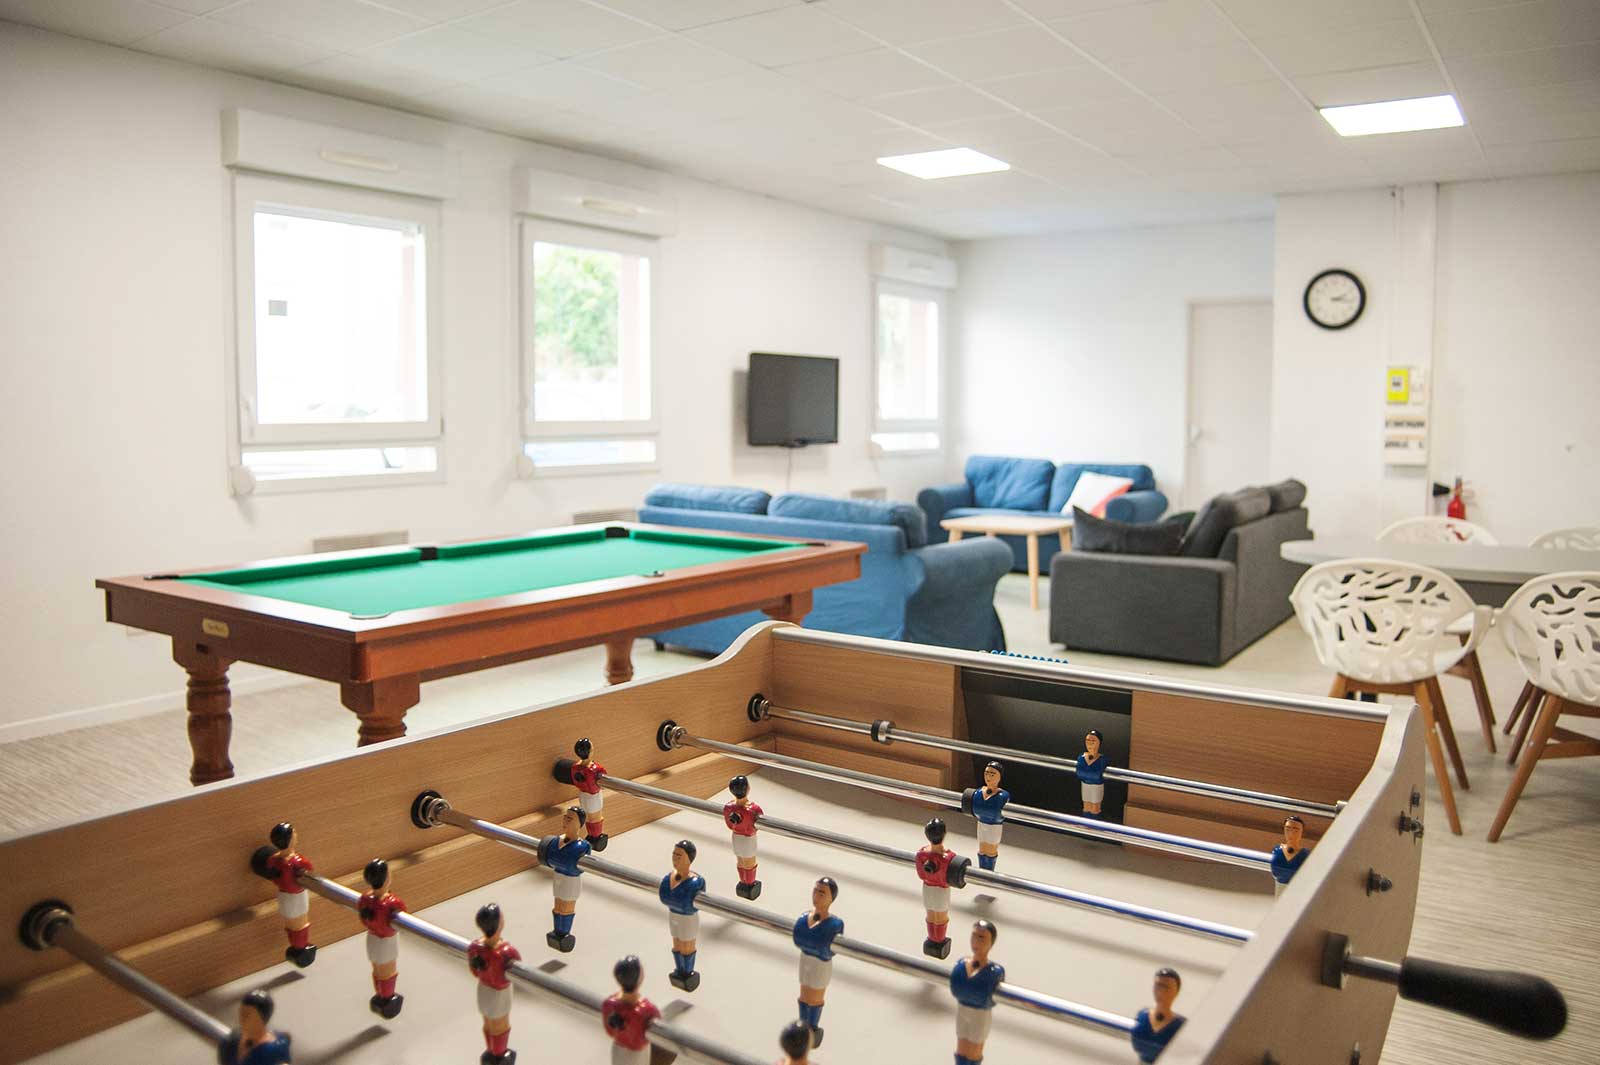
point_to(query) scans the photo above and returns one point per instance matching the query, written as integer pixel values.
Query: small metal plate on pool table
(654, 573)
(368, 617)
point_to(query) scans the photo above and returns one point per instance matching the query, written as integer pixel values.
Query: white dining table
(1488, 573)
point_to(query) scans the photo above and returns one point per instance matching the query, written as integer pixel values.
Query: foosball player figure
(1290, 855)
(562, 854)
(988, 805)
(488, 956)
(627, 1015)
(283, 868)
(679, 889)
(586, 774)
(1092, 773)
(795, 1042)
(940, 869)
(1154, 1028)
(741, 816)
(973, 982)
(814, 934)
(253, 1043)
(376, 908)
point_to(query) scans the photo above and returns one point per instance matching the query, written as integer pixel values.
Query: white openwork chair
(1453, 531)
(1436, 530)
(1384, 627)
(1579, 538)
(1552, 627)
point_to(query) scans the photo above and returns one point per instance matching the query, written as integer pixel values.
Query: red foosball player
(586, 774)
(795, 1042)
(627, 1015)
(253, 1043)
(741, 816)
(940, 869)
(376, 908)
(283, 868)
(488, 957)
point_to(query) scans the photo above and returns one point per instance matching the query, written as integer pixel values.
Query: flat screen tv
(792, 400)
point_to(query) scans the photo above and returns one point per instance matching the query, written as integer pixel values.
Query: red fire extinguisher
(1458, 506)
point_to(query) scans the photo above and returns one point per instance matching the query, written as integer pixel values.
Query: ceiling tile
(1159, 26)
(1066, 87)
(1540, 24)
(1125, 127)
(193, 7)
(1019, 50)
(431, 10)
(1539, 66)
(216, 44)
(905, 21)
(874, 73)
(787, 35)
(664, 63)
(1235, 63)
(686, 14)
(995, 134)
(731, 97)
(455, 55)
(936, 105)
(1575, 125)
(1454, 141)
(1403, 81)
(560, 85)
(558, 27)
(112, 21)
(1544, 157)
(1049, 9)
(1433, 7)
(1511, 104)
(334, 25)
(1357, 48)
(365, 78)
(1186, 161)
(1060, 158)
(1282, 18)
(1222, 109)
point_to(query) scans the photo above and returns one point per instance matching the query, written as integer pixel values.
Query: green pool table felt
(393, 579)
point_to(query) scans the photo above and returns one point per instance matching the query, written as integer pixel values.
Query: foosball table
(1230, 878)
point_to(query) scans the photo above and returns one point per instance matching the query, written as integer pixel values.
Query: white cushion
(1094, 490)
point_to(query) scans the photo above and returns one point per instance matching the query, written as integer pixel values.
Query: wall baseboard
(128, 710)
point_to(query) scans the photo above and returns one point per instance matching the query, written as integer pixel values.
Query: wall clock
(1335, 299)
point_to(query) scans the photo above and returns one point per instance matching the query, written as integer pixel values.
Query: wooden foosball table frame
(169, 888)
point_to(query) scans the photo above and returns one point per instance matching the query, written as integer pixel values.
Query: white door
(1230, 388)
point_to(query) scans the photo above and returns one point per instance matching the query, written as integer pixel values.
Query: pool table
(379, 622)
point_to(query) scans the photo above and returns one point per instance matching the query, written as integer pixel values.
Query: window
(910, 323)
(588, 371)
(338, 371)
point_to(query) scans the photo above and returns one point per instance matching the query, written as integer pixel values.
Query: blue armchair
(940, 594)
(998, 485)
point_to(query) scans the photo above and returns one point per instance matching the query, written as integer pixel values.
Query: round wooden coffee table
(1015, 525)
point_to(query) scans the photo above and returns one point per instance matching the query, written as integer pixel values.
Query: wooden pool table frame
(380, 663)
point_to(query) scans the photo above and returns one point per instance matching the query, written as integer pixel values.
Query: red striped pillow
(1094, 490)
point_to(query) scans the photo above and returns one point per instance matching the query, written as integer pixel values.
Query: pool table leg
(619, 660)
(382, 705)
(794, 608)
(210, 716)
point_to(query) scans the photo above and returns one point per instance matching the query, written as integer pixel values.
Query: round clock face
(1335, 299)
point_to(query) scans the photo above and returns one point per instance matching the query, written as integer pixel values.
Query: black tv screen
(792, 400)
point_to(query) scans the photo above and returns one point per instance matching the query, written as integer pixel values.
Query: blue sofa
(909, 590)
(1037, 487)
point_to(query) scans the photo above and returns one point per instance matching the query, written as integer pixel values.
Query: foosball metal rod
(999, 881)
(671, 736)
(51, 924)
(669, 1037)
(437, 810)
(886, 732)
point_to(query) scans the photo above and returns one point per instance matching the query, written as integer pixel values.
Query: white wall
(115, 282)
(1075, 346)
(1515, 376)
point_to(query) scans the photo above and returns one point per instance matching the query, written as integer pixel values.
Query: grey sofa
(1181, 609)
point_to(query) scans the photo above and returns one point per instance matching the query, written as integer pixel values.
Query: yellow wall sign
(1399, 385)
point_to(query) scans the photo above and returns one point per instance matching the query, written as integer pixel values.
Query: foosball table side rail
(168, 886)
(1274, 1004)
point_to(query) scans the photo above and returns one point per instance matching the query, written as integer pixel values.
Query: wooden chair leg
(1447, 731)
(1341, 686)
(1517, 710)
(1530, 758)
(1530, 714)
(1480, 695)
(1436, 756)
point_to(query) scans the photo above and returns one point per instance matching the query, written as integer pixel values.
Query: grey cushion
(1182, 519)
(1090, 533)
(1222, 514)
(1286, 495)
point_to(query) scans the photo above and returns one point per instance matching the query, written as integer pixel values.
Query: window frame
(540, 230)
(882, 286)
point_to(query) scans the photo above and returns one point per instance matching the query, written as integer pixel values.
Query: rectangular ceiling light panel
(946, 162)
(1394, 116)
